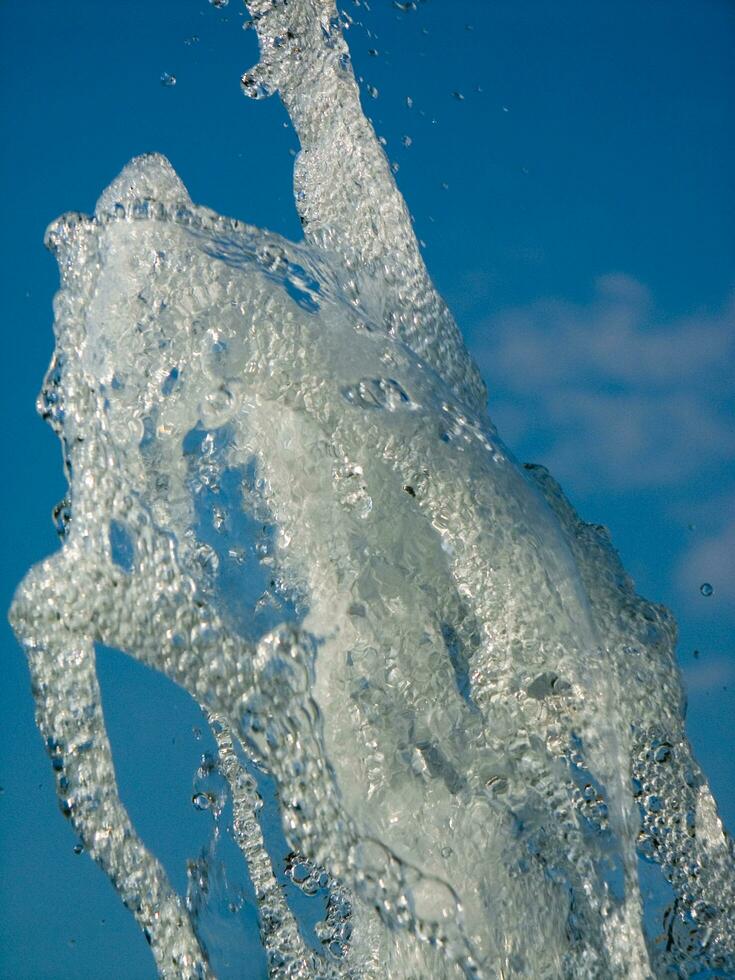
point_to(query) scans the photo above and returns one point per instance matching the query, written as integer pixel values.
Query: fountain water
(286, 494)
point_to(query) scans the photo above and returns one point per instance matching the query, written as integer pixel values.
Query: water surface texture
(286, 494)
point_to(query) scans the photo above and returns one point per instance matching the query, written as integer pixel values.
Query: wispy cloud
(606, 392)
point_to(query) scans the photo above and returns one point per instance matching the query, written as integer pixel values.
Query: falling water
(285, 493)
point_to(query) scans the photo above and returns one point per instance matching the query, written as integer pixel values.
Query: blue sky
(578, 213)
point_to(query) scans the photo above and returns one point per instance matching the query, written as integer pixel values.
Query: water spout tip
(147, 177)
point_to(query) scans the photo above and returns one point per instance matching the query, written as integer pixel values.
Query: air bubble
(377, 393)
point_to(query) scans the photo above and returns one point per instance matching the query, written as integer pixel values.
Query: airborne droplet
(201, 801)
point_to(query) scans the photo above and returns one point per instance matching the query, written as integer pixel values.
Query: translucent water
(286, 494)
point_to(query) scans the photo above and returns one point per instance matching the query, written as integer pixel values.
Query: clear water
(286, 494)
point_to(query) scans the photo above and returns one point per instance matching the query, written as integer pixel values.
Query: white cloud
(607, 393)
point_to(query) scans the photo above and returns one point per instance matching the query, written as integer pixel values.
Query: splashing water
(286, 494)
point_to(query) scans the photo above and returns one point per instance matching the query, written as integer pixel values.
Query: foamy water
(286, 494)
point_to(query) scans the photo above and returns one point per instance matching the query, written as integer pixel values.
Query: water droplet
(194, 39)
(78, 848)
(301, 873)
(167, 80)
(406, 140)
(409, 102)
(373, 52)
(219, 3)
(201, 801)
(255, 87)
(458, 96)
(706, 589)
(373, 91)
